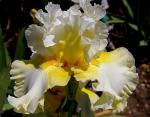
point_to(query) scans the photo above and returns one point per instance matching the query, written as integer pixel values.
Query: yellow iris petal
(120, 55)
(56, 76)
(91, 73)
(103, 57)
(92, 96)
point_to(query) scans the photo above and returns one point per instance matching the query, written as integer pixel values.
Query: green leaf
(2, 52)
(71, 109)
(83, 102)
(143, 43)
(8, 58)
(115, 20)
(4, 83)
(143, 33)
(4, 72)
(112, 116)
(85, 105)
(126, 4)
(7, 106)
(71, 103)
(20, 47)
(72, 88)
(133, 26)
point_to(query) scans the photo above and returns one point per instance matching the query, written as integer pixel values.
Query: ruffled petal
(100, 41)
(95, 35)
(49, 18)
(74, 16)
(30, 87)
(56, 76)
(119, 105)
(105, 101)
(117, 73)
(35, 35)
(95, 12)
(49, 41)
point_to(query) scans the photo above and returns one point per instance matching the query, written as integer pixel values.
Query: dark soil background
(139, 102)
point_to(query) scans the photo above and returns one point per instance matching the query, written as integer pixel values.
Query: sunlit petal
(34, 35)
(95, 12)
(49, 18)
(29, 88)
(91, 73)
(56, 76)
(117, 73)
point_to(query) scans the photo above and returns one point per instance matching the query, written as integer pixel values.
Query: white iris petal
(49, 41)
(31, 84)
(34, 35)
(95, 12)
(55, 31)
(118, 77)
(49, 18)
(94, 35)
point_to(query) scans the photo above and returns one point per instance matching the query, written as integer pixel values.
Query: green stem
(72, 89)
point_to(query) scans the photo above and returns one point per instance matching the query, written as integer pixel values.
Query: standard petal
(29, 88)
(34, 35)
(38, 40)
(117, 73)
(49, 41)
(50, 18)
(95, 12)
(95, 35)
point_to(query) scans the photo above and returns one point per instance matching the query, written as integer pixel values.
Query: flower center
(69, 49)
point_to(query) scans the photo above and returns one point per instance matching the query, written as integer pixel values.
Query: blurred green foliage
(131, 22)
(4, 72)
(132, 19)
(20, 47)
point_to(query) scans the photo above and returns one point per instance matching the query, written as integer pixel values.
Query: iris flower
(71, 44)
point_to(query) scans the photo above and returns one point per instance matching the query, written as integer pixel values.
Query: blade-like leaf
(20, 47)
(2, 52)
(4, 83)
(4, 72)
(127, 5)
(115, 20)
(133, 26)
